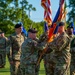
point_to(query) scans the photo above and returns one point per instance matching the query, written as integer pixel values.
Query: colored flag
(23, 29)
(62, 10)
(57, 19)
(74, 31)
(45, 27)
(72, 25)
(47, 11)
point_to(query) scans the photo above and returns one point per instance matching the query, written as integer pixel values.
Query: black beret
(70, 26)
(32, 30)
(18, 25)
(61, 24)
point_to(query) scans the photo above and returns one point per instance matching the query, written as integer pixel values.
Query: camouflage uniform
(61, 54)
(29, 57)
(72, 66)
(47, 64)
(3, 45)
(71, 35)
(14, 52)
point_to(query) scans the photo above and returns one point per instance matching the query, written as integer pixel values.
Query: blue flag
(56, 29)
(72, 24)
(45, 26)
(57, 15)
(23, 29)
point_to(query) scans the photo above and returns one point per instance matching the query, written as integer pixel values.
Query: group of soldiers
(24, 52)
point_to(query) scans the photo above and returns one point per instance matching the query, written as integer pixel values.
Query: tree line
(13, 11)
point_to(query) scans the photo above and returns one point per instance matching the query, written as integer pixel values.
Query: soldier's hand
(44, 37)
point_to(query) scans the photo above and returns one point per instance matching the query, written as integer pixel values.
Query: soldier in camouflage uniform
(72, 65)
(72, 47)
(29, 55)
(70, 31)
(46, 56)
(3, 45)
(14, 50)
(61, 52)
(71, 35)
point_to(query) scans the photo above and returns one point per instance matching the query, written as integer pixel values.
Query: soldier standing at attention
(61, 52)
(29, 55)
(72, 65)
(72, 48)
(14, 51)
(3, 45)
(70, 31)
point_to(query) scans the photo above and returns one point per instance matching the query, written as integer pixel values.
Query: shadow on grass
(42, 72)
(4, 70)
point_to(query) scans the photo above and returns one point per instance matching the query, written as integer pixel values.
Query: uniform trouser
(2, 59)
(29, 70)
(48, 65)
(15, 68)
(56, 69)
(72, 69)
(61, 69)
(49, 68)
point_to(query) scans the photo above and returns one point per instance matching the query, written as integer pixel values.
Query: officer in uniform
(61, 52)
(29, 54)
(14, 50)
(70, 31)
(3, 45)
(72, 65)
(72, 47)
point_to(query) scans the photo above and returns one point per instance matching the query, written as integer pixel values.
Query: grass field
(6, 71)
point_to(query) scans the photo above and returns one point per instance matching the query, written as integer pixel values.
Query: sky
(38, 15)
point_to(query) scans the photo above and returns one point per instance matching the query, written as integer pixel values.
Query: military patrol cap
(61, 24)
(18, 25)
(32, 30)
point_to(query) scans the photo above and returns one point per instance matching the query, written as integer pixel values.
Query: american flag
(47, 11)
(62, 10)
(57, 18)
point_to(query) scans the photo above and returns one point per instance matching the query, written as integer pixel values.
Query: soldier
(14, 50)
(47, 55)
(3, 45)
(70, 31)
(71, 35)
(72, 65)
(29, 54)
(61, 52)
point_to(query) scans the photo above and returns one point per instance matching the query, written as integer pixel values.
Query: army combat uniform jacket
(3, 44)
(61, 54)
(14, 52)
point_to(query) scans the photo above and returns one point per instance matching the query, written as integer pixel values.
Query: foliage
(6, 70)
(14, 11)
(71, 14)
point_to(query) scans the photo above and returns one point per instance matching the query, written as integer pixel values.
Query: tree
(13, 11)
(26, 6)
(71, 14)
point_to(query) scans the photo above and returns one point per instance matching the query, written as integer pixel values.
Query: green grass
(6, 70)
